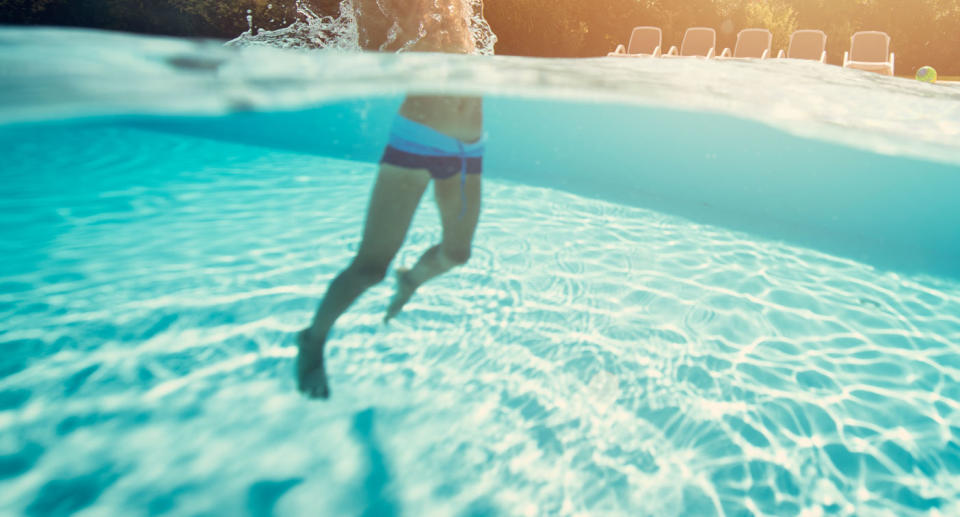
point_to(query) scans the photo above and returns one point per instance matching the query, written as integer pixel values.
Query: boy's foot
(311, 375)
(405, 289)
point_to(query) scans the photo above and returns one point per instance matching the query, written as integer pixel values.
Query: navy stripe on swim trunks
(440, 167)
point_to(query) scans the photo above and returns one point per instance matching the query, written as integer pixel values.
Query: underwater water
(697, 289)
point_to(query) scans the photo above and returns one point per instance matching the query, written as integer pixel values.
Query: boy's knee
(370, 272)
(457, 256)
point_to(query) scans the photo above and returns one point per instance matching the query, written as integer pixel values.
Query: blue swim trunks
(416, 146)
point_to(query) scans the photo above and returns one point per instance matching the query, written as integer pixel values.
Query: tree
(923, 32)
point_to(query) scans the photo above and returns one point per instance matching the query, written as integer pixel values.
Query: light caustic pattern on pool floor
(590, 359)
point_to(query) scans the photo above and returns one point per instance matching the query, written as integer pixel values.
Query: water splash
(308, 31)
(312, 31)
(482, 33)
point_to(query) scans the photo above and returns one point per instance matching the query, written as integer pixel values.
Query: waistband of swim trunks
(416, 138)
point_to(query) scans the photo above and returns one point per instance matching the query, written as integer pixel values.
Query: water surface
(594, 356)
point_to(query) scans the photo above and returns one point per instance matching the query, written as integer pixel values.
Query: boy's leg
(459, 226)
(394, 200)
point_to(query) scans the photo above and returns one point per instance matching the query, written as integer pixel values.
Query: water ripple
(609, 360)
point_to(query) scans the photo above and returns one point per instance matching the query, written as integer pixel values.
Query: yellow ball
(927, 74)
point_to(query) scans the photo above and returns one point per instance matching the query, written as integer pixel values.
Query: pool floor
(591, 358)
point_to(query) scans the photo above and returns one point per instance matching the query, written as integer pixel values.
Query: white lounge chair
(751, 44)
(644, 42)
(697, 42)
(870, 51)
(807, 44)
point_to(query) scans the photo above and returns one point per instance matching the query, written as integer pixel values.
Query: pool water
(593, 358)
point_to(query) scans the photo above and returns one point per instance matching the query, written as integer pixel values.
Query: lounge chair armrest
(712, 53)
(823, 57)
(619, 51)
(673, 51)
(846, 57)
(726, 52)
(766, 54)
(781, 54)
(657, 52)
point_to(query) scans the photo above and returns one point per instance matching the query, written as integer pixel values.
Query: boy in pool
(436, 138)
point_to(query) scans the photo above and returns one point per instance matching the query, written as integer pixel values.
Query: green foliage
(923, 32)
(778, 17)
(201, 18)
(22, 11)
